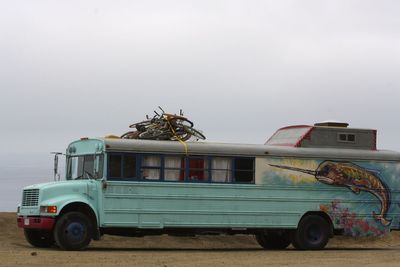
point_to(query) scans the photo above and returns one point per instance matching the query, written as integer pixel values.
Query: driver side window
(115, 166)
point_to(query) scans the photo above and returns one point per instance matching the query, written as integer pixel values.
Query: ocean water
(20, 170)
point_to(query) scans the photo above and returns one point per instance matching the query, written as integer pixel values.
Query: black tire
(194, 132)
(312, 233)
(39, 238)
(294, 241)
(180, 134)
(153, 134)
(273, 240)
(141, 124)
(130, 135)
(180, 121)
(73, 231)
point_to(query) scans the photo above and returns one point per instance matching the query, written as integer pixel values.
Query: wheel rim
(75, 232)
(314, 234)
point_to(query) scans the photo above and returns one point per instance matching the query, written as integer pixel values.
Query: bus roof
(221, 149)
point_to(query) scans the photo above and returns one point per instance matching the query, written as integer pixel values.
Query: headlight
(48, 209)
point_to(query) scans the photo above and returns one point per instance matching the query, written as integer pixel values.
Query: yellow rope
(177, 137)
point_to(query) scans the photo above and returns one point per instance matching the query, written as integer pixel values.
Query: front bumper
(45, 223)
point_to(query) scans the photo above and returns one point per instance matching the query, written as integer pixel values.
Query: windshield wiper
(88, 175)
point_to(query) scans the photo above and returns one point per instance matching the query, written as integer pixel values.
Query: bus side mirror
(56, 173)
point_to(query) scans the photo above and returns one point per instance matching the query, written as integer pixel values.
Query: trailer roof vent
(332, 124)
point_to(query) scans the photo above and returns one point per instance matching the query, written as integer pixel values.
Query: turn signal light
(52, 209)
(48, 209)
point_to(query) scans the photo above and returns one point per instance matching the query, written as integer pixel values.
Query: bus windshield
(288, 136)
(84, 167)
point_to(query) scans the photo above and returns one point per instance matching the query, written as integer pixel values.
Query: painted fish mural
(354, 177)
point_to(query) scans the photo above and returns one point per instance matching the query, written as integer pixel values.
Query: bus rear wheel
(73, 231)
(274, 240)
(311, 234)
(39, 238)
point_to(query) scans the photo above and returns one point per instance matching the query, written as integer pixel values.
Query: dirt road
(194, 251)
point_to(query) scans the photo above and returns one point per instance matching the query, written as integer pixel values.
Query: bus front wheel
(39, 238)
(275, 240)
(312, 233)
(73, 231)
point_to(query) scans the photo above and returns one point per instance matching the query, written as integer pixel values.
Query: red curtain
(196, 169)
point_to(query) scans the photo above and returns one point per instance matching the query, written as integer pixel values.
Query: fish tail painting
(352, 176)
(382, 219)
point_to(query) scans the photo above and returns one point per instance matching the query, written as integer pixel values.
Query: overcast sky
(238, 69)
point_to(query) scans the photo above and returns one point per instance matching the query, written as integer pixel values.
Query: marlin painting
(347, 174)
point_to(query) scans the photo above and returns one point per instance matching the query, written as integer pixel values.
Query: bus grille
(30, 197)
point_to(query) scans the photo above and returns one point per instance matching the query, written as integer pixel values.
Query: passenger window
(221, 170)
(244, 170)
(346, 138)
(129, 166)
(114, 166)
(198, 169)
(151, 167)
(342, 137)
(174, 168)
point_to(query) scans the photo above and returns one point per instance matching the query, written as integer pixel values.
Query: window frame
(109, 177)
(231, 159)
(123, 166)
(347, 138)
(140, 167)
(182, 157)
(68, 174)
(206, 169)
(253, 170)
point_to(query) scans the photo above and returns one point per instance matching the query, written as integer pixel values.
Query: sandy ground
(194, 251)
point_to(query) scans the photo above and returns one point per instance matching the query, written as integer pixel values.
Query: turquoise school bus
(302, 187)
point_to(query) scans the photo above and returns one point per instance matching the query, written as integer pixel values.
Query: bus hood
(59, 184)
(47, 192)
